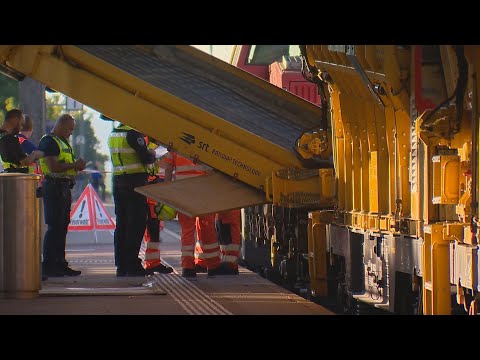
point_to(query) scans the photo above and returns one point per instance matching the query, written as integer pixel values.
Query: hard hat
(165, 212)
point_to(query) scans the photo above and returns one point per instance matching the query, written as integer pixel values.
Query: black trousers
(57, 201)
(131, 213)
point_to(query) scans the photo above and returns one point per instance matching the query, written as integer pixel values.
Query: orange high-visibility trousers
(228, 232)
(152, 232)
(152, 237)
(209, 252)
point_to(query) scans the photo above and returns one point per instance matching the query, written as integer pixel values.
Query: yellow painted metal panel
(339, 149)
(436, 272)
(365, 156)
(383, 163)
(317, 191)
(317, 251)
(402, 123)
(390, 138)
(395, 86)
(373, 184)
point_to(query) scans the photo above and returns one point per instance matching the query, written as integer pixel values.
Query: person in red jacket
(227, 226)
(179, 167)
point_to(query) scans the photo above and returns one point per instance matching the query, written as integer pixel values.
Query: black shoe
(222, 270)
(67, 271)
(162, 269)
(230, 271)
(139, 272)
(51, 270)
(188, 273)
(216, 271)
(53, 273)
(121, 273)
(200, 269)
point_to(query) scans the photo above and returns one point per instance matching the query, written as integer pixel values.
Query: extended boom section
(192, 103)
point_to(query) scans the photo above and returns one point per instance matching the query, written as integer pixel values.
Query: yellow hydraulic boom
(193, 103)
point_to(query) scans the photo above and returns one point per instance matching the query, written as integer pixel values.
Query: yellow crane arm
(189, 101)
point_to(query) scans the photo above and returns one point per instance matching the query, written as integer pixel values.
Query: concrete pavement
(97, 291)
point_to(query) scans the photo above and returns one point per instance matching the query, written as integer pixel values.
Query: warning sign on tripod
(89, 213)
(103, 221)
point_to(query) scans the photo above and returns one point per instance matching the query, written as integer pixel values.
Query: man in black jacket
(14, 158)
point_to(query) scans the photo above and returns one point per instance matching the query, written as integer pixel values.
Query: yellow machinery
(392, 225)
(405, 139)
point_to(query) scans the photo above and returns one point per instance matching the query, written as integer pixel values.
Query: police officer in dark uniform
(13, 156)
(130, 159)
(60, 168)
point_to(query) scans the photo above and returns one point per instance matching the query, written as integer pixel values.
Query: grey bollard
(20, 242)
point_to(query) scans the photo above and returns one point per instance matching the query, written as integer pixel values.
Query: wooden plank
(205, 194)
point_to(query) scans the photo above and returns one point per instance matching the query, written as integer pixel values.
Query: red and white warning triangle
(81, 217)
(103, 221)
(89, 213)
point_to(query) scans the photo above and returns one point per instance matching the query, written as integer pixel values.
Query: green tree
(91, 142)
(55, 107)
(8, 95)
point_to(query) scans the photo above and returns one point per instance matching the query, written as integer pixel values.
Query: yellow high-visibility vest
(125, 159)
(66, 156)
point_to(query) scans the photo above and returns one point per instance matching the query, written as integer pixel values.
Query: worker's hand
(80, 164)
(38, 154)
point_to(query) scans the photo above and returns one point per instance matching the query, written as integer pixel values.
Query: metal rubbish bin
(20, 242)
